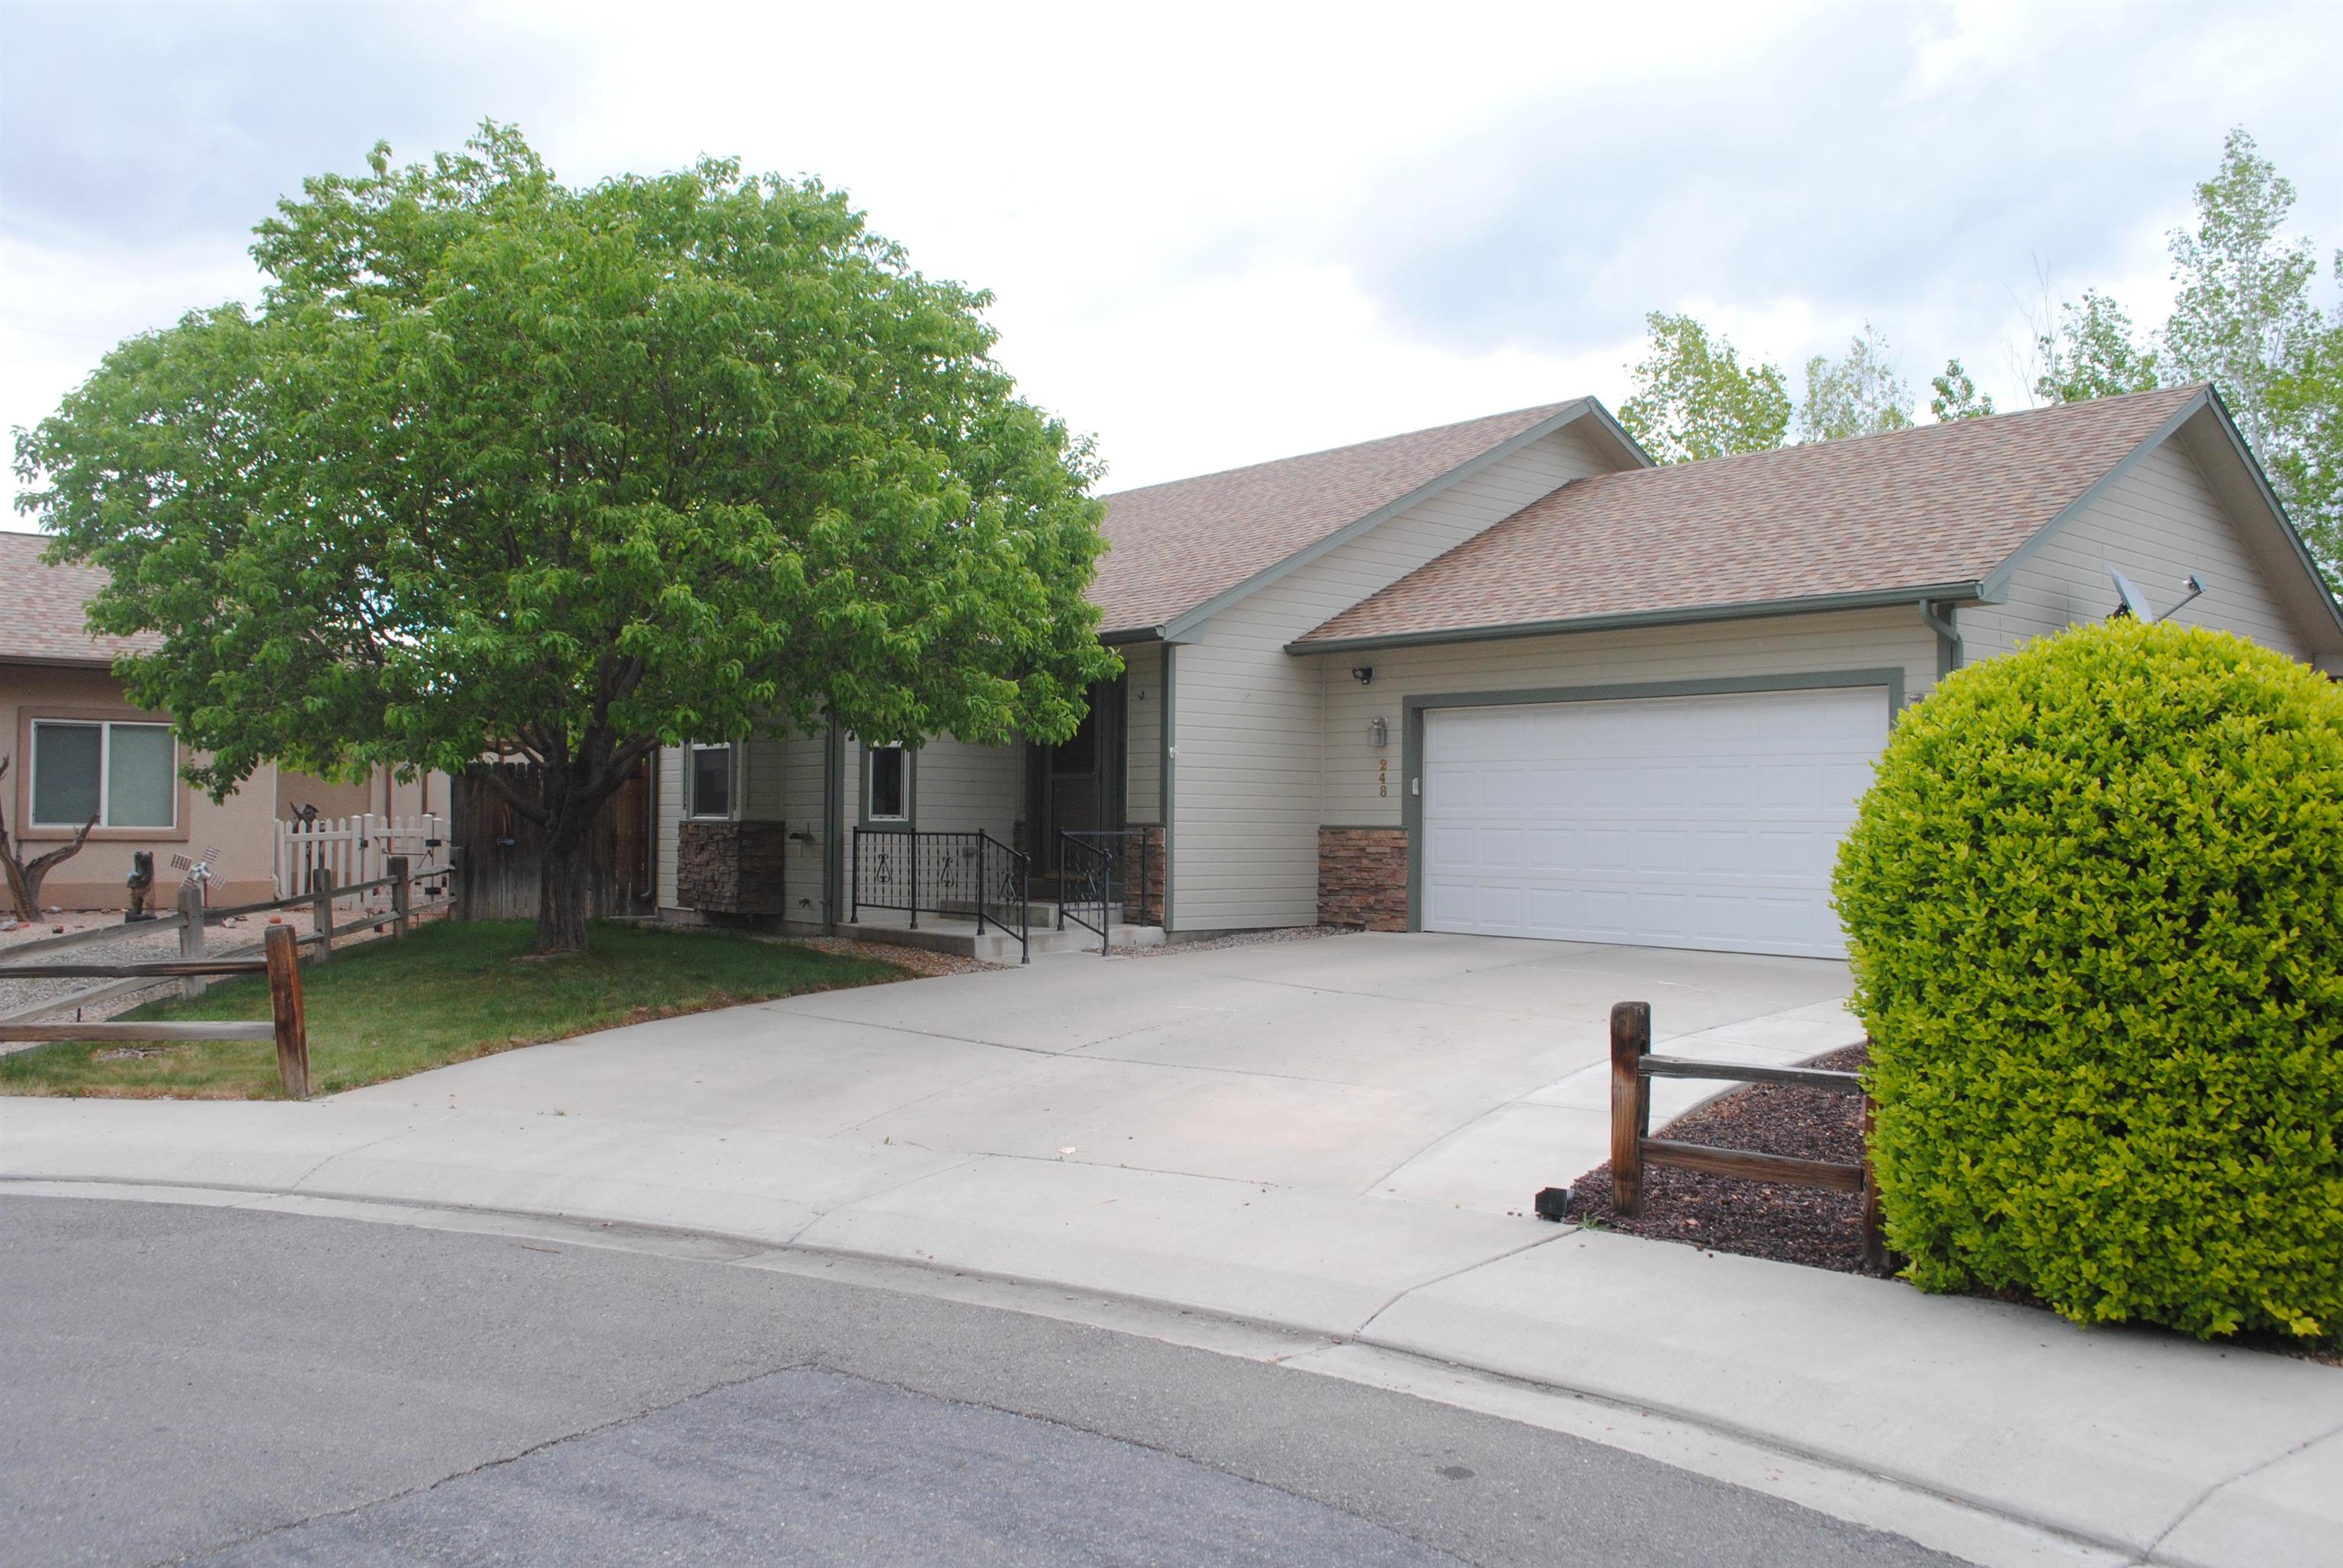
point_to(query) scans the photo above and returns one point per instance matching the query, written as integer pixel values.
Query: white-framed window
(707, 778)
(889, 785)
(125, 775)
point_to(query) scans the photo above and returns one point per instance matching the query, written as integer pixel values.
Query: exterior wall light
(1379, 732)
(1362, 673)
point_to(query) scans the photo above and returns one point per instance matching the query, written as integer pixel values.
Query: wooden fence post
(1631, 1104)
(1874, 1226)
(396, 868)
(191, 936)
(321, 911)
(283, 955)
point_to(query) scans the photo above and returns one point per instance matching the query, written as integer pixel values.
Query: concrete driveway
(1332, 1138)
(1465, 1071)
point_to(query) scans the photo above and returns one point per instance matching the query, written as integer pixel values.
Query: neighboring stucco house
(80, 749)
(1507, 678)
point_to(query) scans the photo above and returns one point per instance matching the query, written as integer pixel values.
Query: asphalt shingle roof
(41, 608)
(1939, 504)
(1176, 546)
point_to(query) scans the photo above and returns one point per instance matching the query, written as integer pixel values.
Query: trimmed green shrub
(2095, 909)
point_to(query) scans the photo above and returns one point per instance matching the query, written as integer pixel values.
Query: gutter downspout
(1950, 651)
(833, 826)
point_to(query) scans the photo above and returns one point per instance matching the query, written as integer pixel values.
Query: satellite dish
(2135, 599)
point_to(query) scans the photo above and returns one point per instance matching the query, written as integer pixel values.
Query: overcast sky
(1219, 234)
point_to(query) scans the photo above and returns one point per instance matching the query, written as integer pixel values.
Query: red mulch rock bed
(1758, 1219)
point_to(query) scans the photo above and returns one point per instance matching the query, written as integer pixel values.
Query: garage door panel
(1705, 821)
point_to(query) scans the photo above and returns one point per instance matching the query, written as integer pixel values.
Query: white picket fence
(357, 849)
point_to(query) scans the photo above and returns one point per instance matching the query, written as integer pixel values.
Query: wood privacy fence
(410, 895)
(357, 849)
(1633, 1147)
(497, 875)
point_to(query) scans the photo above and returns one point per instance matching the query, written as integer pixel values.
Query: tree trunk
(565, 898)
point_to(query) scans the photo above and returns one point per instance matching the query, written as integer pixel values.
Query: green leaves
(1859, 394)
(1957, 397)
(501, 461)
(2092, 353)
(1693, 401)
(2095, 900)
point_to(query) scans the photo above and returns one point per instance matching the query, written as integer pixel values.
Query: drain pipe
(1949, 649)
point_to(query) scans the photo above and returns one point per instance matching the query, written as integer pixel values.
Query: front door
(1075, 786)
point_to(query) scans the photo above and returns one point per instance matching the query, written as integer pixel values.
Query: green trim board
(1167, 740)
(1186, 625)
(833, 812)
(1414, 709)
(1880, 598)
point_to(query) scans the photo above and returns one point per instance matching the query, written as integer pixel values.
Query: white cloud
(1223, 233)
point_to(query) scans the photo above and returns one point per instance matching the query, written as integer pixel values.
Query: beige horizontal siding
(757, 774)
(957, 788)
(2156, 524)
(1247, 780)
(1364, 787)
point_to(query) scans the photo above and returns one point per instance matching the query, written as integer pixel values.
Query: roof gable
(1931, 511)
(1177, 551)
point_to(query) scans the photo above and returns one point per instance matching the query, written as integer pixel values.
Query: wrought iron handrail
(1097, 871)
(944, 874)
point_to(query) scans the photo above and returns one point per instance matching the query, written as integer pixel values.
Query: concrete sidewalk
(1335, 1137)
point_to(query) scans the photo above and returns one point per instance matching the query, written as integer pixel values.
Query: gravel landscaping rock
(1757, 1219)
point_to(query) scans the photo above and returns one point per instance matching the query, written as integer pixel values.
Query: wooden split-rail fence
(1633, 1147)
(279, 961)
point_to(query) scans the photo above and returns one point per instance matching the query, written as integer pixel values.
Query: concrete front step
(948, 934)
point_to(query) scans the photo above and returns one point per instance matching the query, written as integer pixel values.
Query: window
(891, 795)
(707, 779)
(125, 775)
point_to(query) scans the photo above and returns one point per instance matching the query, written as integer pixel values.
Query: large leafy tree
(499, 462)
(2244, 320)
(1858, 394)
(2243, 317)
(2092, 353)
(1693, 399)
(2306, 403)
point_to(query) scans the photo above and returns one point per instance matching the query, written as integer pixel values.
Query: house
(82, 750)
(1506, 677)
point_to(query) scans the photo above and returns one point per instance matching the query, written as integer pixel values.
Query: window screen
(66, 763)
(125, 775)
(141, 787)
(711, 781)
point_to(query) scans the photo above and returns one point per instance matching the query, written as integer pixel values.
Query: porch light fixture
(1379, 732)
(1362, 673)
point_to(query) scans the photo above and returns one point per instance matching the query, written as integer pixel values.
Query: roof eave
(1873, 599)
(1183, 627)
(60, 661)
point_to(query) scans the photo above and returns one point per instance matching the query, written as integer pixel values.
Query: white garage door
(1676, 822)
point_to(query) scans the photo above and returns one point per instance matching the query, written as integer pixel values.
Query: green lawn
(446, 993)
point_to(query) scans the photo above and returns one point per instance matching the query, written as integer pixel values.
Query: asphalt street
(181, 1382)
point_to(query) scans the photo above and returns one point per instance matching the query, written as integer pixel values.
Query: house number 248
(1382, 775)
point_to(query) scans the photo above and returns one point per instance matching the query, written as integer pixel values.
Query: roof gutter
(1957, 592)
